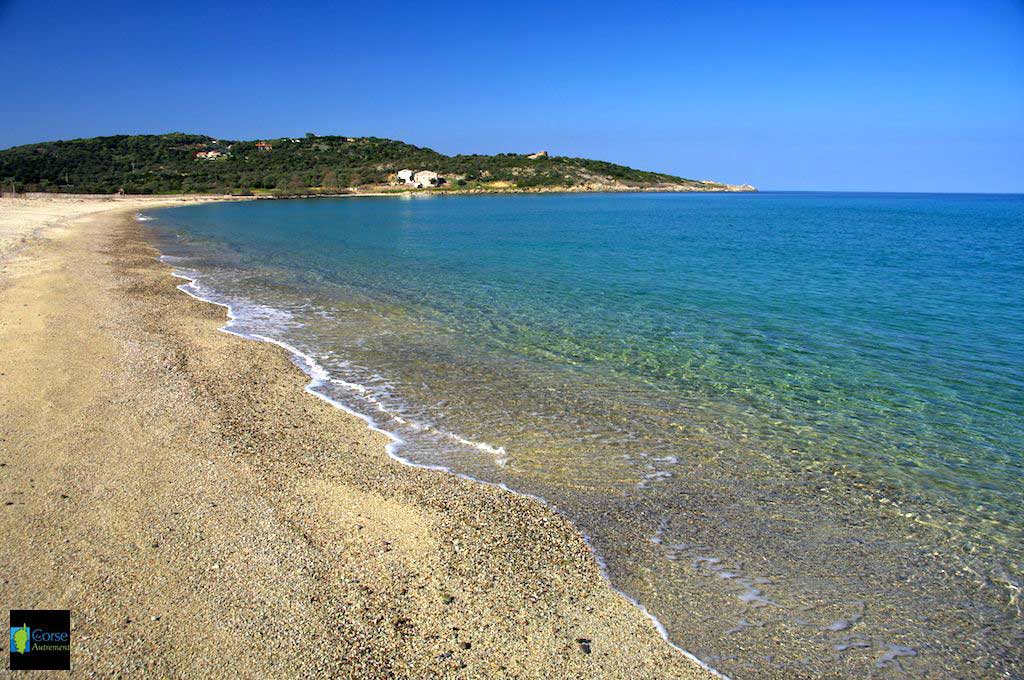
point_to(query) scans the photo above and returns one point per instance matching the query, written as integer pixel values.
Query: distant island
(310, 165)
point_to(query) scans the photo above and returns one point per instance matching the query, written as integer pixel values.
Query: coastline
(283, 508)
(586, 189)
(317, 376)
(822, 618)
(24, 218)
(391, 190)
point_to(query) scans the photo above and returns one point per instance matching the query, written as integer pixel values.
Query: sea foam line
(319, 376)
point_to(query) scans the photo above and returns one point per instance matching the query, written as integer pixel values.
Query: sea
(790, 425)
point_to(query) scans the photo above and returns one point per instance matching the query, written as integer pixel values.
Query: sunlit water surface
(792, 424)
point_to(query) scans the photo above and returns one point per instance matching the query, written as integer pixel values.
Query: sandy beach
(200, 513)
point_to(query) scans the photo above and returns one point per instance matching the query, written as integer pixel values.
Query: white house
(426, 178)
(421, 179)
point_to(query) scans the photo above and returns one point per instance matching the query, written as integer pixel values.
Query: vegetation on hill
(153, 164)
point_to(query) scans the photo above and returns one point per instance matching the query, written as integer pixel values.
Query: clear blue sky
(872, 95)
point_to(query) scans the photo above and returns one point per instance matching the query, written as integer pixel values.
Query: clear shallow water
(794, 417)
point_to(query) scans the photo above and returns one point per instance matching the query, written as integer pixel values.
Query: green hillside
(151, 164)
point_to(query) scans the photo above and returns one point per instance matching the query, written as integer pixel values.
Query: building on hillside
(209, 155)
(427, 178)
(420, 180)
(539, 154)
(264, 146)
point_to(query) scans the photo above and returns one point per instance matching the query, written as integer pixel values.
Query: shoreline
(887, 526)
(24, 217)
(312, 368)
(382, 191)
(134, 349)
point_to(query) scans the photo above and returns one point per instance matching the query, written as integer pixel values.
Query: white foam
(320, 376)
(500, 457)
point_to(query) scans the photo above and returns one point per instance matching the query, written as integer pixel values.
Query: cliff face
(181, 163)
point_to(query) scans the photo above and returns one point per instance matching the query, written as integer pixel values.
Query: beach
(691, 381)
(197, 510)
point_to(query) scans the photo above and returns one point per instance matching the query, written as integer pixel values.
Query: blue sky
(910, 96)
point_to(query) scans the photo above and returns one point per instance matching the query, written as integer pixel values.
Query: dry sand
(202, 515)
(29, 215)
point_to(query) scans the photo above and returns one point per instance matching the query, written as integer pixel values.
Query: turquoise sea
(790, 424)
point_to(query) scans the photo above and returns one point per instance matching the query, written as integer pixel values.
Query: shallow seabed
(790, 424)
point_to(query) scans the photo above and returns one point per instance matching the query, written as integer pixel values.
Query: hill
(183, 163)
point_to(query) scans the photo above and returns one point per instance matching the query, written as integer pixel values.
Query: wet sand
(198, 512)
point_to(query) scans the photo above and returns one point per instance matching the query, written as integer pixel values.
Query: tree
(168, 164)
(329, 179)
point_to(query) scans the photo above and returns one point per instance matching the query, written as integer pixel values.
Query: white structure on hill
(421, 179)
(427, 178)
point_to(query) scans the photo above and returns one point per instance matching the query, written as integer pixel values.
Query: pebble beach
(177, 489)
